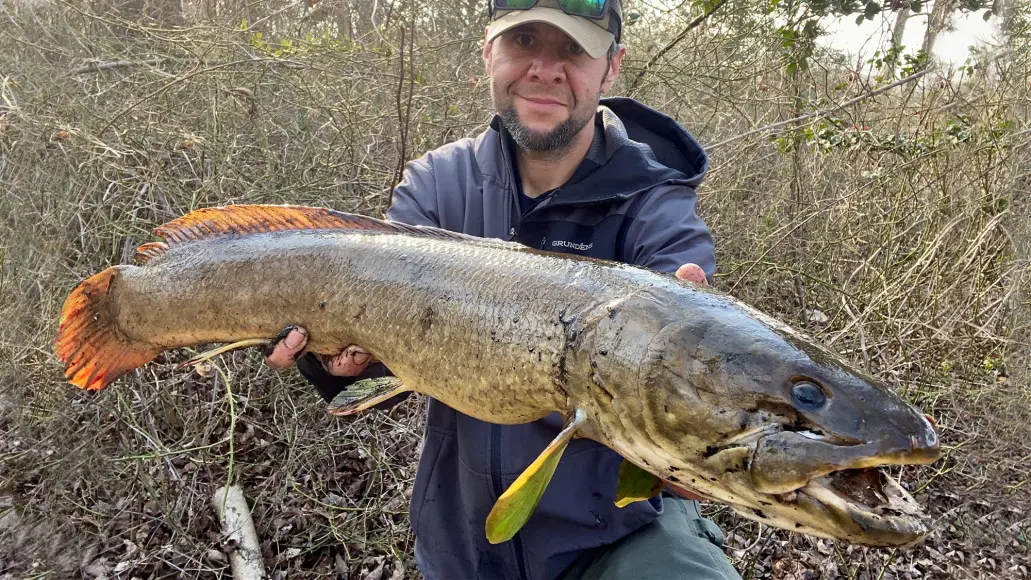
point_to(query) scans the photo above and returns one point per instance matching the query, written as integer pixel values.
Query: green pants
(679, 544)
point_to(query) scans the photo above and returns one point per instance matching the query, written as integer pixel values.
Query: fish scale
(483, 315)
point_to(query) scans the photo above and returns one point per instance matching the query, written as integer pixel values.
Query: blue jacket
(632, 200)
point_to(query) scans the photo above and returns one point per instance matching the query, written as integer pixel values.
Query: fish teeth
(748, 435)
(811, 435)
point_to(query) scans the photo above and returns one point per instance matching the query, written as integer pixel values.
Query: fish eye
(808, 394)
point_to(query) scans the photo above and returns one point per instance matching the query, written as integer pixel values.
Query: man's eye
(575, 49)
(523, 39)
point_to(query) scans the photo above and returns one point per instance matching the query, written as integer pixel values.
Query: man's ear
(487, 46)
(613, 74)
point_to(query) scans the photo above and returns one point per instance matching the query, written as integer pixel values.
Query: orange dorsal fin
(149, 251)
(237, 220)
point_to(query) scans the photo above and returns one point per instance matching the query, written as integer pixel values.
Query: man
(558, 172)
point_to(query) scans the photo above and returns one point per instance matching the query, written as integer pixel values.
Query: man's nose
(547, 70)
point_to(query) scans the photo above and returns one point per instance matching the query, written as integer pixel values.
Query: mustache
(543, 97)
(564, 97)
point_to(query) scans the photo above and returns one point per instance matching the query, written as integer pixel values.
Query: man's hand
(691, 273)
(352, 361)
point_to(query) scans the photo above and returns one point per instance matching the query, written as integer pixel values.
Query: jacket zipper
(495, 475)
(514, 230)
(495, 433)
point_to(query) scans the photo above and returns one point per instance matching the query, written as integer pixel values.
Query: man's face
(544, 86)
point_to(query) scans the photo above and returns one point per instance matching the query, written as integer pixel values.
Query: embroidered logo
(572, 245)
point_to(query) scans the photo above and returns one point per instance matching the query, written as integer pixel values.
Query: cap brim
(592, 38)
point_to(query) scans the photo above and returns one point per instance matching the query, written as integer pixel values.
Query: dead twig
(99, 66)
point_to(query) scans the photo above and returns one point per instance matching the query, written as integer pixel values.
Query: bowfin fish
(690, 385)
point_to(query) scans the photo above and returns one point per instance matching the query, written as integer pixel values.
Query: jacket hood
(654, 140)
(644, 149)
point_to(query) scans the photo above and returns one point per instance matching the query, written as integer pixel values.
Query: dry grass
(906, 226)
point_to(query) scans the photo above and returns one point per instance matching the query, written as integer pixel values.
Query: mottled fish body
(688, 384)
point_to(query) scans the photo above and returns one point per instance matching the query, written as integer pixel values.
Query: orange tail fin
(89, 343)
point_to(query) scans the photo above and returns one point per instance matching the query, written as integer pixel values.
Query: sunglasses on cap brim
(593, 9)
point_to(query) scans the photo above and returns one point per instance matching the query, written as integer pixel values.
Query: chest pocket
(602, 240)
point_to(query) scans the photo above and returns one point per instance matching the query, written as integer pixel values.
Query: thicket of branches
(894, 228)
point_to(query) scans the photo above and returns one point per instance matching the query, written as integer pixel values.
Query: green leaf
(872, 9)
(987, 15)
(860, 19)
(787, 37)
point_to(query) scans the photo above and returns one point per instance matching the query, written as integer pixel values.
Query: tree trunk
(895, 46)
(362, 16)
(936, 22)
(163, 13)
(345, 22)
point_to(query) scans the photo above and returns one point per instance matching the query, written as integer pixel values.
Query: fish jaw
(859, 503)
(841, 490)
(898, 522)
(786, 461)
(823, 509)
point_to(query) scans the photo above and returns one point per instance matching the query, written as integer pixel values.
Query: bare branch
(676, 40)
(822, 112)
(99, 66)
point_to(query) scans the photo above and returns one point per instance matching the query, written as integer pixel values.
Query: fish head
(754, 414)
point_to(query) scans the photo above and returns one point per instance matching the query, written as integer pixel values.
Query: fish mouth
(869, 507)
(835, 488)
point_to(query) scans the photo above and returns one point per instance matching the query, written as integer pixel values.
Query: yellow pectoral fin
(515, 506)
(635, 484)
(364, 394)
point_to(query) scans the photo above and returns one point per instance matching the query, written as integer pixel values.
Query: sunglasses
(594, 9)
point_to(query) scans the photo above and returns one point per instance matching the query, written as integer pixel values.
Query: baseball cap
(593, 24)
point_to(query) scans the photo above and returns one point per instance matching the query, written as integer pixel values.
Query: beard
(555, 140)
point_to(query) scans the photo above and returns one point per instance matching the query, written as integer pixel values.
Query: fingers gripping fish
(689, 385)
